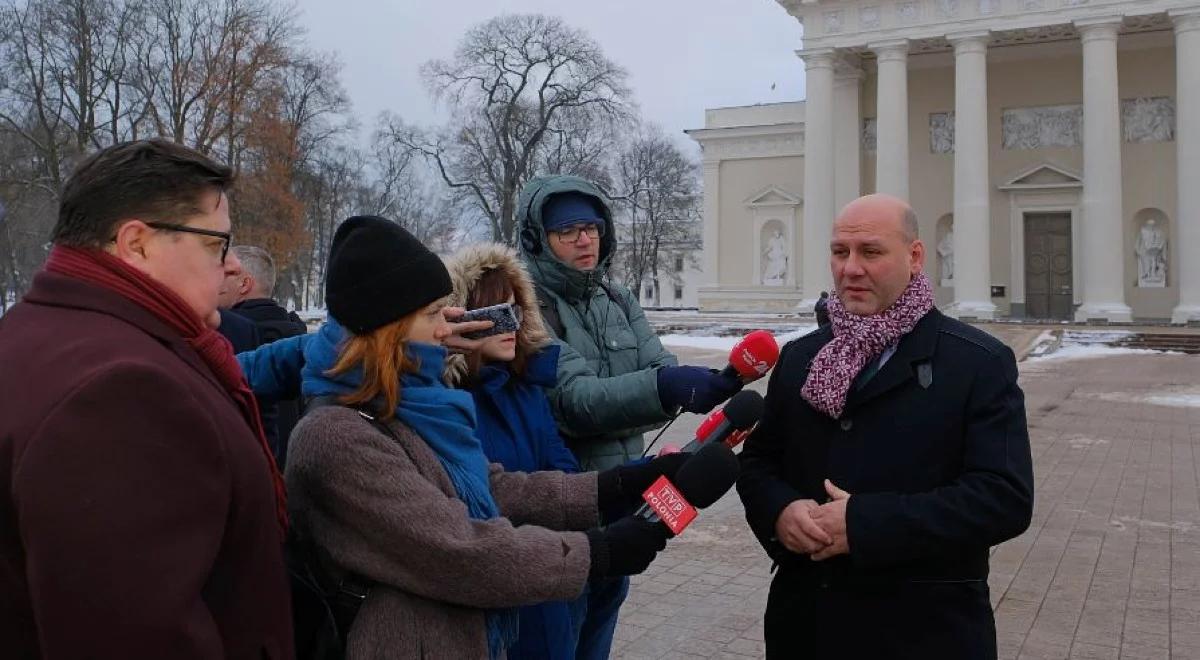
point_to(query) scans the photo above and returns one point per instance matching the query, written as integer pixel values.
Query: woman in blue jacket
(506, 377)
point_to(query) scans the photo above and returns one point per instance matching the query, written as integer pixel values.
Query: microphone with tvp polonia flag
(700, 482)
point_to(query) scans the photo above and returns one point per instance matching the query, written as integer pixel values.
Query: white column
(1184, 251)
(972, 190)
(891, 157)
(818, 174)
(847, 179)
(1103, 241)
(711, 231)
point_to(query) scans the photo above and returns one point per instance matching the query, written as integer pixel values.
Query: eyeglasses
(571, 234)
(226, 237)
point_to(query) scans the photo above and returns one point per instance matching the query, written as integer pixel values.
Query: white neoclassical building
(1050, 147)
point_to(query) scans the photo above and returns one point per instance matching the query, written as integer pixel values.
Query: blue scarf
(445, 420)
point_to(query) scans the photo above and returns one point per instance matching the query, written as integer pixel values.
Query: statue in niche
(945, 250)
(775, 260)
(1151, 251)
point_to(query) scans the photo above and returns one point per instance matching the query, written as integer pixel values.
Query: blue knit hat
(571, 208)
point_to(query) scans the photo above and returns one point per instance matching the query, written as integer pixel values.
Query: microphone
(752, 357)
(741, 413)
(702, 480)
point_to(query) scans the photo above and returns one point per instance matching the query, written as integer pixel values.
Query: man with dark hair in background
(141, 513)
(249, 292)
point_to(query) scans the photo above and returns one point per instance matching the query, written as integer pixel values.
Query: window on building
(678, 265)
(650, 292)
(678, 292)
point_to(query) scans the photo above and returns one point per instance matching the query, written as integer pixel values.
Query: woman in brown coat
(450, 543)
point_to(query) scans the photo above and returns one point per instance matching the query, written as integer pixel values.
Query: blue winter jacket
(518, 431)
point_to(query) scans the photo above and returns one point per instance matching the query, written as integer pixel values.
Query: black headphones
(530, 242)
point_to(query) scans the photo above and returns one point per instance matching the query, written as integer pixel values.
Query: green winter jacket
(607, 392)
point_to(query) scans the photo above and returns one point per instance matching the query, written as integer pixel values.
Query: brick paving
(1109, 568)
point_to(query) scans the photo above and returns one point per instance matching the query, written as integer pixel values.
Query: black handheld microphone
(741, 413)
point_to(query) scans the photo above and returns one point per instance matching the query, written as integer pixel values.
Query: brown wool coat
(385, 509)
(137, 515)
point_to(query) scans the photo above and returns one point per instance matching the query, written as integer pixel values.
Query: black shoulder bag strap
(549, 312)
(620, 300)
(350, 592)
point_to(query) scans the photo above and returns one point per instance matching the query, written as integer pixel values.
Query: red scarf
(857, 340)
(104, 270)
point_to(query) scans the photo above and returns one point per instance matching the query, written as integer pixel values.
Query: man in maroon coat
(141, 514)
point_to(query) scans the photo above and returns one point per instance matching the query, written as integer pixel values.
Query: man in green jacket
(615, 379)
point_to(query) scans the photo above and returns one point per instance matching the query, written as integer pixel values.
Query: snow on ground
(1175, 397)
(726, 343)
(1086, 351)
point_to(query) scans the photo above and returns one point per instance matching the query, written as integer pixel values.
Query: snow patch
(1077, 441)
(1089, 351)
(1179, 397)
(726, 343)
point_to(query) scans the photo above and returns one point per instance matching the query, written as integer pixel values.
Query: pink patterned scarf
(857, 340)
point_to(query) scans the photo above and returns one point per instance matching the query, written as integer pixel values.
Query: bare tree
(200, 61)
(657, 195)
(63, 80)
(514, 81)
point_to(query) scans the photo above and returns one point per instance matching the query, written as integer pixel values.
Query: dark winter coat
(137, 514)
(274, 323)
(607, 392)
(239, 330)
(935, 452)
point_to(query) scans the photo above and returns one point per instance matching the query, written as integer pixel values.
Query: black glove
(625, 547)
(694, 389)
(619, 490)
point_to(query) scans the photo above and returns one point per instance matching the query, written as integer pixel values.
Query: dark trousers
(597, 617)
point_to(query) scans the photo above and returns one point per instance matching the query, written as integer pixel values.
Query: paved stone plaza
(1110, 567)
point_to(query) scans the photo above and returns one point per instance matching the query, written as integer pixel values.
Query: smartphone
(504, 317)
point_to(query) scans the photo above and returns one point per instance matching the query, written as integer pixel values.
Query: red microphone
(724, 426)
(753, 356)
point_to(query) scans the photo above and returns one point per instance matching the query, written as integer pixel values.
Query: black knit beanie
(379, 273)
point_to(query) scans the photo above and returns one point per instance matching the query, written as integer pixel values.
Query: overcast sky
(682, 55)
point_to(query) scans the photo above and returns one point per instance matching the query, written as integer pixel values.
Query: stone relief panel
(1148, 119)
(948, 8)
(987, 7)
(870, 18)
(906, 12)
(941, 133)
(1041, 127)
(833, 21)
(870, 134)
(1033, 5)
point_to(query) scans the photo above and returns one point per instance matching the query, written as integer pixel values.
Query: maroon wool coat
(137, 514)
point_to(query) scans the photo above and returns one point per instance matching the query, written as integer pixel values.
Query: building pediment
(773, 196)
(1044, 176)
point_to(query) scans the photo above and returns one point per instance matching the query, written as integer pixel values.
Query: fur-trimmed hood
(466, 268)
